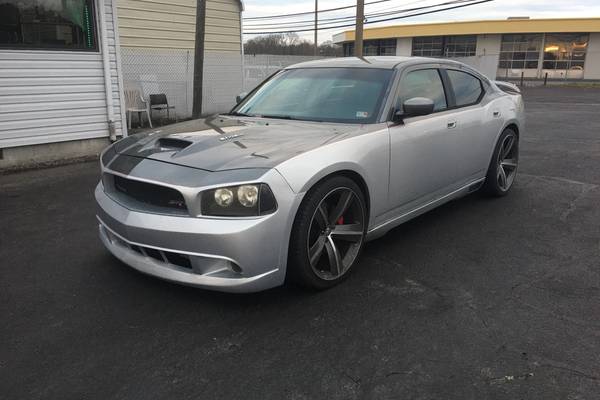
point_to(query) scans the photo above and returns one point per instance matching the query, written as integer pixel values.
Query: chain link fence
(171, 71)
(259, 67)
(155, 71)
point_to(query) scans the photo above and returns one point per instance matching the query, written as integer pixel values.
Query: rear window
(467, 88)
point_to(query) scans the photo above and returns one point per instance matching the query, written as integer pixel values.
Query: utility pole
(316, 32)
(358, 32)
(199, 59)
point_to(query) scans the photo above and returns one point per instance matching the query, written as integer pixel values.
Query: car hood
(222, 142)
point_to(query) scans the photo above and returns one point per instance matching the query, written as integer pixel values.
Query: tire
(503, 166)
(323, 248)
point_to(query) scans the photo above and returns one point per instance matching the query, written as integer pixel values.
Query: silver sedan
(306, 168)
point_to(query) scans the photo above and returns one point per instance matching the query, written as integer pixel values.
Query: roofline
(475, 27)
(375, 62)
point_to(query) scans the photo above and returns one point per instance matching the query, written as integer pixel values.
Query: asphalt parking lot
(479, 299)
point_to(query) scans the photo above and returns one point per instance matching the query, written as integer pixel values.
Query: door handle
(496, 114)
(451, 124)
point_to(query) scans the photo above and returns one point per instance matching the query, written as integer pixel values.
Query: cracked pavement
(479, 299)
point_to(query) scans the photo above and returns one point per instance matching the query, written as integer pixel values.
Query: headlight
(248, 195)
(238, 201)
(223, 197)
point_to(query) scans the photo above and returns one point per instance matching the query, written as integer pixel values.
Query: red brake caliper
(340, 221)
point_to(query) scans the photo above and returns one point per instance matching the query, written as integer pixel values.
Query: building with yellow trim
(562, 48)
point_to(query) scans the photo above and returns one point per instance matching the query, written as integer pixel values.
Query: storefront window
(520, 51)
(444, 46)
(348, 49)
(47, 24)
(428, 46)
(382, 47)
(565, 51)
(460, 46)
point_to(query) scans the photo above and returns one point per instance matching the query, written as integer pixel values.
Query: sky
(497, 9)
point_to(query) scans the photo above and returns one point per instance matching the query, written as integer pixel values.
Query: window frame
(510, 45)
(445, 42)
(450, 88)
(378, 44)
(96, 28)
(550, 38)
(380, 117)
(397, 106)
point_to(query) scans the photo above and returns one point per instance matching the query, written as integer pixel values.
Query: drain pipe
(110, 109)
(242, 45)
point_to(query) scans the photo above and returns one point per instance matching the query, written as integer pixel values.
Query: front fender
(366, 155)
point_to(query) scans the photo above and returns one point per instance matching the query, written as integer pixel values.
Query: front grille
(148, 193)
(177, 259)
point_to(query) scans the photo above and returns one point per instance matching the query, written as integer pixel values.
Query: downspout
(110, 111)
(119, 68)
(242, 46)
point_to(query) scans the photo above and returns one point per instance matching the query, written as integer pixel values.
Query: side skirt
(384, 227)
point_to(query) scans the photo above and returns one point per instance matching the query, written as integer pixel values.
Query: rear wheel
(328, 233)
(503, 167)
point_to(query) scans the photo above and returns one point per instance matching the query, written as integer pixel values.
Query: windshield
(346, 95)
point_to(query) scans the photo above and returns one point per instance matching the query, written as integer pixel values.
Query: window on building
(371, 48)
(460, 46)
(520, 51)
(423, 83)
(565, 50)
(47, 24)
(428, 46)
(349, 49)
(379, 47)
(444, 46)
(467, 88)
(387, 47)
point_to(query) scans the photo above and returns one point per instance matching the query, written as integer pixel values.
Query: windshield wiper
(277, 116)
(239, 114)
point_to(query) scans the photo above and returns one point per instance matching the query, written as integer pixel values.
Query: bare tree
(289, 44)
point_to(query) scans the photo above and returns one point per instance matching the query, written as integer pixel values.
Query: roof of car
(383, 62)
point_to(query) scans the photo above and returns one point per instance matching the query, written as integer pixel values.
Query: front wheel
(503, 167)
(328, 233)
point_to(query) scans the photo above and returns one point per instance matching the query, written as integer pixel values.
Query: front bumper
(230, 255)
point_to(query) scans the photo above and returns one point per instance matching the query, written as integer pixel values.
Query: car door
(421, 162)
(475, 123)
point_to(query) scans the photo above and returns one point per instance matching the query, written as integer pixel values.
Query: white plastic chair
(134, 102)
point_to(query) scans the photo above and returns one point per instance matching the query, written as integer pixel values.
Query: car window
(467, 88)
(346, 95)
(424, 83)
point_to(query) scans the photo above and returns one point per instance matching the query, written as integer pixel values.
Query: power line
(310, 12)
(392, 8)
(402, 5)
(329, 21)
(372, 22)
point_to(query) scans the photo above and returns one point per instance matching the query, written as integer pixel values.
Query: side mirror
(414, 107)
(240, 97)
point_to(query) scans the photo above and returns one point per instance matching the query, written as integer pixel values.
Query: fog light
(235, 268)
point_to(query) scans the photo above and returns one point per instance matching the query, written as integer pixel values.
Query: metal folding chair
(159, 102)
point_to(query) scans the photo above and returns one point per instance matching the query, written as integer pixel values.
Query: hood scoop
(171, 144)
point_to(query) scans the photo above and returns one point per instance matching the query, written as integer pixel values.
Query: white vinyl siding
(222, 30)
(53, 96)
(156, 24)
